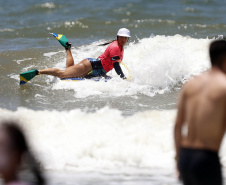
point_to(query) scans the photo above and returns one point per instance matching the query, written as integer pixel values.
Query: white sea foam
(157, 64)
(70, 24)
(50, 54)
(166, 61)
(156, 20)
(7, 30)
(81, 141)
(48, 5)
(101, 141)
(22, 60)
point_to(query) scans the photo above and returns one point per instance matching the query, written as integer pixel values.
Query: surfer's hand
(107, 77)
(124, 78)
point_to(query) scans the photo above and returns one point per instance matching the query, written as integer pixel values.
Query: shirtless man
(201, 122)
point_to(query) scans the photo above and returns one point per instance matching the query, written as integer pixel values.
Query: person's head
(14, 150)
(123, 36)
(12, 146)
(218, 54)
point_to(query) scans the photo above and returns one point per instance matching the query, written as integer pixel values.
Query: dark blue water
(26, 24)
(25, 42)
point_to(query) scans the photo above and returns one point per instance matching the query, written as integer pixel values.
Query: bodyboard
(92, 79)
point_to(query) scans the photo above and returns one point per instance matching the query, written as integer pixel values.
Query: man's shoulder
(206, 81)
(221, 81)
(193, 81)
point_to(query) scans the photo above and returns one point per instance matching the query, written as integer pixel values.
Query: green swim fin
(62, 39)
(26, 76)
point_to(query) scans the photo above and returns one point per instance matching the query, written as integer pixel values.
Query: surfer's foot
(27, 76)
(68, 45)
(37, 72)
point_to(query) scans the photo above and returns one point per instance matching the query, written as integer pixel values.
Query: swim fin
(26, 76)
(63, 40)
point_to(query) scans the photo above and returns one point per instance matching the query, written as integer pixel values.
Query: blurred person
(201, 122)
(14, 154)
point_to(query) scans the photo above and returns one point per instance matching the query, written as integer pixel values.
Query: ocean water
(116, 132)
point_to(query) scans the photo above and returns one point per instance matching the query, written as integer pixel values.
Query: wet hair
(106, 43)
(19, 144)
(217, 52)
(109, 42)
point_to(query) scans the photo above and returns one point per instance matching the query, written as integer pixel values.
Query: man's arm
(179, 122)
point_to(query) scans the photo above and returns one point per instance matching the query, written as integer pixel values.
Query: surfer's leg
(79, 70)
(69, 58)
(51, 71)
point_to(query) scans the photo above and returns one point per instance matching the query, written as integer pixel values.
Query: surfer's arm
(118, 70)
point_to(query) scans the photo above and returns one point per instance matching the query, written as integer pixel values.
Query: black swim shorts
(199, 167)
(97, 68)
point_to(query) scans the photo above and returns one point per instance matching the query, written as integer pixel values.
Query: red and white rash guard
(113, 50)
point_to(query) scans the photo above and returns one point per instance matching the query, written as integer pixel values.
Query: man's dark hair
(217, 52)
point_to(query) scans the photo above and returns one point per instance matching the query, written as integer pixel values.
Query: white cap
(123, 32)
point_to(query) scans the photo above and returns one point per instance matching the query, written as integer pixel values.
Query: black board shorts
(97, 68)
(199, 167)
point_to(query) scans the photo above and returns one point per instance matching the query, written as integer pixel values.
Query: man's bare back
(201, 122)
(204, 102)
